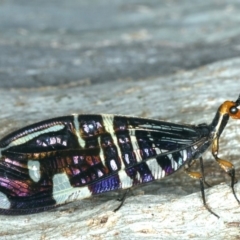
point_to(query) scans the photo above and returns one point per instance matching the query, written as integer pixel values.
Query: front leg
(227, 166)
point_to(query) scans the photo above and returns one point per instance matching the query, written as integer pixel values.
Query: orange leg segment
(227, 166)
(200, 177)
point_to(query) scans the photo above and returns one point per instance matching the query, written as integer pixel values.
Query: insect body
(60, 160)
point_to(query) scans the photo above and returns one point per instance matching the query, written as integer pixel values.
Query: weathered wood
(166, 211)
(148, 216)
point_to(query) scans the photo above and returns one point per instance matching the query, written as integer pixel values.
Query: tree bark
(169, 209)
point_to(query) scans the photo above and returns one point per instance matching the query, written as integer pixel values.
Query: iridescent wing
(60, 160)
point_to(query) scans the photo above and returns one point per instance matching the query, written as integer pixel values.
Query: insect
(68, 158)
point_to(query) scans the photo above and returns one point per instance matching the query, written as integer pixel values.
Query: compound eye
(233, 110)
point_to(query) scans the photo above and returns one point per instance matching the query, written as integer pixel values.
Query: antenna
(238, 100)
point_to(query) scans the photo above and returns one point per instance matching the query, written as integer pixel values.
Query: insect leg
(122, 200)
(227, 166)
(199, 176)
(202, 172)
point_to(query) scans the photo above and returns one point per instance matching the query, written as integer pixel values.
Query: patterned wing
(60, 160)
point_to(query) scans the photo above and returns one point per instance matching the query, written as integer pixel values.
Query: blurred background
(79, 42)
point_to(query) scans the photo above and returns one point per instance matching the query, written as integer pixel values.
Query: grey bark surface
(168, 209)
